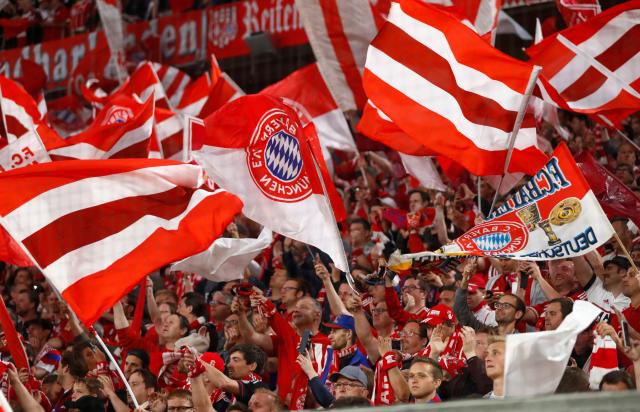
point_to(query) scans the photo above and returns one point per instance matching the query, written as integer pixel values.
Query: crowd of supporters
(25, 22)
(428, 334)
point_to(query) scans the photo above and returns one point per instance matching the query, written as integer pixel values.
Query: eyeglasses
(504, 305)
(287, 288)
(339, 385)
(230, 323)
(179, 408)
(378, 311)
(410, 287)
(408, 333)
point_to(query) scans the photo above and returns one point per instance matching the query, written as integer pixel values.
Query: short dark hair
(617, 376)
(184, 323)
(251, 354)
(303, 286)
(566, 305)
(520, 305)
(348, 402)
(450, 288)
(424, 195)
(423, 328)
(436, 369)
(238, 406)
(197, 303)
(140, 354)
(148, 378)
(93, 385)
(573, 380)
(364, 222)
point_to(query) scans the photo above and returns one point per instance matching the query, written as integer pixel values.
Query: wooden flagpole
(625, 251)
(516, 128)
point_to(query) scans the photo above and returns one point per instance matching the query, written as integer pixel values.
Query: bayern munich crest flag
(555, 215)
(256, 148)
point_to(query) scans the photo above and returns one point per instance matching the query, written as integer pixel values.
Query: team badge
(117, 114)
(274, 158)
(494, 238)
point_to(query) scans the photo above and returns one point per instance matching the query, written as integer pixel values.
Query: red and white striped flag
(577, 11)
(593, 67)
(173, 80)
(604, 359)
(256, 148)
(339, 33)
(96, 227)
(306, 91)
(223, 90)
(20, 112)
(450, 90)
(117, 133)
(194, 96)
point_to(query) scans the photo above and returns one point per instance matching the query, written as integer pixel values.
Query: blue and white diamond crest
(492, 241)
(282, 156)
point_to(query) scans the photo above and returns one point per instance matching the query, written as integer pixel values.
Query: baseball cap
(342, 322)
(620, 261)
(212, 358)
(477, 282)
(353, 373)
(438, 314)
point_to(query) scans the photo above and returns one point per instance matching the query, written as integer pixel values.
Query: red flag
(19, 109)
(614, 196)
(577, 11)
(223, 90)
(592, 67)
(138, 313)
(11, 252)
(15, 26)
(306, 91)
(451, 91)
(256, 148)
(97, 227)
(13, 340)
(117, 133)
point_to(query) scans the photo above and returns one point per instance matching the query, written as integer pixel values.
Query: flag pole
(516, 128)
(624, 136)
(71, 311)
(625, 251)
(479, 182)
(348, 275)
(4, 119)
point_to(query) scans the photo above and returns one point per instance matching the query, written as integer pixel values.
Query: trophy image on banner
(530, 216)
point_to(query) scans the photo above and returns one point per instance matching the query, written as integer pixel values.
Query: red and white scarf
(382, 390)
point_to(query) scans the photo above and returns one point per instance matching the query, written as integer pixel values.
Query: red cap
(212, 358)
(477, 282)
(438, 314)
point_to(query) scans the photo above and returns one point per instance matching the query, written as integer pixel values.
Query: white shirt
(599, 296)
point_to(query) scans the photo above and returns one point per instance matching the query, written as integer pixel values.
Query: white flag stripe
(609, 90)
(334, 132)
(316, 30)
(99, 255)
(55, 203)
(168, 127)
(11, 108)
(467, 78)
(442, 103)
(177, 96)
(364, 23)
(88, 151)
(593, 46)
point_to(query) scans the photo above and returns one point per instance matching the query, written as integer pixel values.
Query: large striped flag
(256, 148)
(444, 86)
(593, 67)
(339, 32)
(96, 227)
(118, 133)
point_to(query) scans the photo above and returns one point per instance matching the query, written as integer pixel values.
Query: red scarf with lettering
(382, 390)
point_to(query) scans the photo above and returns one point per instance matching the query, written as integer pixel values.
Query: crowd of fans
(46, 20)
(297, 335)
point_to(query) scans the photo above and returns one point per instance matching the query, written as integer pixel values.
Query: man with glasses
(350, 381)
(290, 293)
(180, 401)
(413, 296)
(509, 310)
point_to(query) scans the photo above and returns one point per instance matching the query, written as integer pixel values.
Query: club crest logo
(495, 238)
(275, 161)
(117, 114)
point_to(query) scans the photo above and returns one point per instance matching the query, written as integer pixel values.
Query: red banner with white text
(175, 40)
